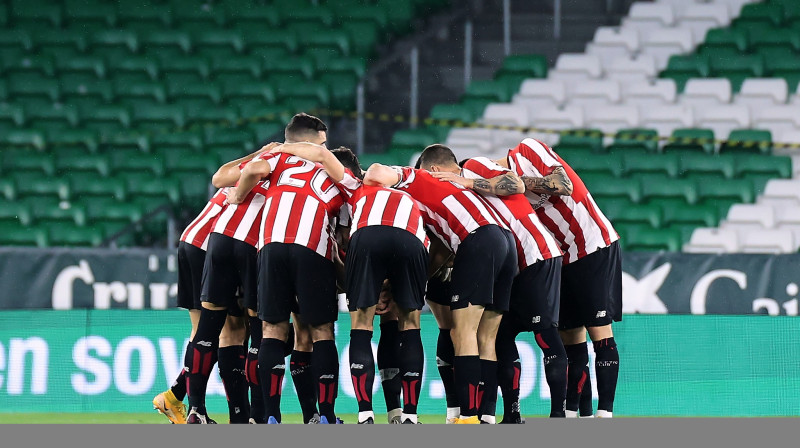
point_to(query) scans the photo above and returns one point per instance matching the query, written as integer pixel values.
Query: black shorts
(438, 291)
(230, 266)
(190, 275)
(376, 253)
(483, 270)
(591, 290)
(535, 296)
(295, 278)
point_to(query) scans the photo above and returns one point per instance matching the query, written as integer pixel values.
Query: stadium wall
(672, 365)
(653, 283)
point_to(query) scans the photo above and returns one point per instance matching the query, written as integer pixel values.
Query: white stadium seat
(611, 42)
(666, 118)
(702, 17)
(506, 115)
(596, 93)
(769, 241)
(783, 188)
(712, 240)
(758, 92)
(679, 5)
(660, 92)
(722, 119)
(576, 67)
(610, 119)
(541, 93)
(569, 117)
(761, 214)
(505, 140)
(706, 92)
(637, 69)
(789, 219)
(471, 140)
(776, 119)
(663, 43)
(646, 17)
(795, 97)
(788, 136)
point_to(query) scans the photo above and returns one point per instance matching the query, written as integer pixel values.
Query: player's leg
(509, 370)
(389, 366)
(272, 364)
(586, 407)
(257, 412)
(231, 361)
(300, 367)
(606, 367)
(487, 337)
(362, 363)
(438, 298)
(574, 340)
(466, 362)
(412, 362)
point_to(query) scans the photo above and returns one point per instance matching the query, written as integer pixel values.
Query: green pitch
(155, 417)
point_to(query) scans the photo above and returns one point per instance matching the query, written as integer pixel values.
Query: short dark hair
(350, 161)
(437, 154)
(303, 125)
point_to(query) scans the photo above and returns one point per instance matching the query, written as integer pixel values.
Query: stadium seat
(16, 235)
(653, 240)
(634, 140)
(681, 68)
(506, 115)
(723, 119)
(706, 92)
(122, 162)
(610, 43)
(703, 16)
(529, 65)
(697, 215)
(72, 235)
(595, 93)
(762, 92)
(158, 15)
(636, 163)
(737, 189)
(776, 119)
(414, 139)
(748, 141)
(761, 215)
(660, 92)
(157, 189)
(641, 68)
(580, 140)
(575, 67)
(724, 42)
(663, 43)
(111, 188)
(536, 93)
(90, 164)
(646, 17)
(630, 189)
(723, 165)
(52, 210)
(654, 187)
(15, 213)
(167, 42)
(665, 119)
(491, 90)
(610, 118)
(712, 240)
(44, 186)
(91, 13)
(24, 138)
(769, 241)
(474, 141)
(558, 119)
(638, 214)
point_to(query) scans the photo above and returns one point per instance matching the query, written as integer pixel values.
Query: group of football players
(495, 248)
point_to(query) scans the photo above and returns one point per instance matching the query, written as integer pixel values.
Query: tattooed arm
(502, 185)
(556, 182)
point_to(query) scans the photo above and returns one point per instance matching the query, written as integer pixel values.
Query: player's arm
(557, 183)
(502, 185)
(228, 174)
(378, 174)
(315, 153)
(441, 258)
(251, 174)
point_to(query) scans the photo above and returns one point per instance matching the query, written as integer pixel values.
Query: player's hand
(446, 176)
(269, 147)
(384, 299)
(233, 196)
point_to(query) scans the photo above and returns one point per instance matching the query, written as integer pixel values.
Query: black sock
(555, 369)
(325, 365)
(509, 370)
(231, 371)
(487, 397)
(272, 367)
(606, 366)
(445, 357)
(411, 363)
(304, 384)
(204, 355)
(577, 379)
(362, 367)
(388, 364)
(257, 411)
(467, 376)
(178, 388)
(586, 405)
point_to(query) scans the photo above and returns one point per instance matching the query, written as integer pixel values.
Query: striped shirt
(198, 231)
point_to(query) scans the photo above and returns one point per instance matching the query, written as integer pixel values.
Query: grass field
(155, 417)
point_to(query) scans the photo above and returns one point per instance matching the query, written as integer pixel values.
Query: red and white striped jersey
(576, 221)
(241, 221)
(379, 206)
(534, 242)
(301, 202)
(198, 231)
(449, 210)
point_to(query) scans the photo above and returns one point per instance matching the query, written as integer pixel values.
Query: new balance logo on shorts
(204, 343)
(536, 319)
(455, 298)
(253, 350)
(600, 314)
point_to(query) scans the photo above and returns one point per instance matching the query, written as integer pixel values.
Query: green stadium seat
(610, 164)
(136, 12)
(91, 164)
(178, 162)
(630, 189)
(779, 38)
(3, 14)
(609, 205)
(125, 162)
(38, 163)
(111, 188)
(86, 90)
(786, 68)
(759, 181)
(636, 163)
(287, 89)
(748, 141)
(74, 236)
(8, 188)
(251, 15)
(262, 112)
(363, 37)
(400, 13)
(724, 41)
(16, 235)
(16, 38)
(775, 166)
(357, 12)
(167, 41)
(739, 67)
(259, 40)
(113, 211)
(489, 90)
(242, 138)
(75, 137)
(53, 210)
(15, 213)
(761, 12)
(267, 131)
(414, 139)
(343, 88)
(239, 65)
(52, 116)
(681, 68)
(260, 91)
(53, 42)
(302, 18)
(27, 11)
(41, 186)
(34, 86)
(118, 38)
(297, 66)
(652, 240)
(219, 116)
(734, 189)
(230, 39)
(104, 118)
(194, 187)
(722, 166)
(641, 214)
(691, 140)
(698, 215)
(31, 64)
(82, 13)
(142, 65)
(367, 159)
(453, 113)
(24, 138)
(159, 117)
(200, 15)
(336, 39)
(184, 139)
(11, 115)
(185, 92)
(585, 139)
(157, 189)
(198, 67)
(94, 66)
(3, 90)
(529, 65)
(657, 187)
